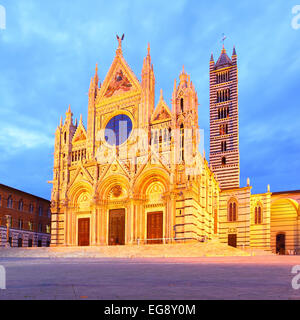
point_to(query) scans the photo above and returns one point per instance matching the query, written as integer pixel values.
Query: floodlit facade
(135, 174)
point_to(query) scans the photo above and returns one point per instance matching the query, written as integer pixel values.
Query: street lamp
(8, 225)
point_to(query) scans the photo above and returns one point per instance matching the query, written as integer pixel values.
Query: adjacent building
(27, 216)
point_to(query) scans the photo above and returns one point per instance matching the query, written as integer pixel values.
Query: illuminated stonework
(153, 185)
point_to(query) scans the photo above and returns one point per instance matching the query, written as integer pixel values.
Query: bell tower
(224, 120)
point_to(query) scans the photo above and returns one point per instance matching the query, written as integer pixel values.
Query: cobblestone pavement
(135, 279)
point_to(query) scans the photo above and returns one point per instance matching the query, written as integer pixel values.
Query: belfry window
(223, 77)
(223, 129)
(223, 146)
(223, 113)
(223, 95)
(224, 161)
(258, 215)
(232, 211)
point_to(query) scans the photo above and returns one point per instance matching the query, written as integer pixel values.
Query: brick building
(30, 218)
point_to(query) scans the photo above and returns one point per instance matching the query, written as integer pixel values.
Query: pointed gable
(80, 133)
(162, 111)
(120, 79)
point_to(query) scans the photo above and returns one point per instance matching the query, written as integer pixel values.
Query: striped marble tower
(224, 122)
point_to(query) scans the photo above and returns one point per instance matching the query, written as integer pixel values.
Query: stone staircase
(189, 250)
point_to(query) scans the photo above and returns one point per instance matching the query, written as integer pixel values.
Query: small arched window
(182, 104)
(65, 137)
(10, 202)
(258, 214)
(232, 210)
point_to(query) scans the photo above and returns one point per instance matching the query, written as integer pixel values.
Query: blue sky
(48, 55)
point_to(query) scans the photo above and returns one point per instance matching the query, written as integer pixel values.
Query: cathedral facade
(135, 174)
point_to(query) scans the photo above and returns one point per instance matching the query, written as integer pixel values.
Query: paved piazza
(131, 279)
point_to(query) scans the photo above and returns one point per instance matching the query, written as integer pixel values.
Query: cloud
(14, 139)
(49, 51)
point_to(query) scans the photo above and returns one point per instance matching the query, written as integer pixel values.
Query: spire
(161, 95)
(69, 116)
(234, 52)
(183, 76)
(224, 60)
(148, 48)
(96, 78)
(212, 58)
(148, 86)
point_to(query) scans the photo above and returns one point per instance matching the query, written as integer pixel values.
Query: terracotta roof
(20, 191)
(284, 192)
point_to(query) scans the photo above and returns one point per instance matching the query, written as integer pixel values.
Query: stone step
(209, 249)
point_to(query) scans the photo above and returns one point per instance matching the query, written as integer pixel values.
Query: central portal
(155, 227)
(116, 235)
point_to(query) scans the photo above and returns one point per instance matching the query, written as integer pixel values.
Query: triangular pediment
(162, 112)
(120, 80)
(81, 174)
(116, 167)
(80, 134)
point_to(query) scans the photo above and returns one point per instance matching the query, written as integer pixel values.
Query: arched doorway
(280, 243)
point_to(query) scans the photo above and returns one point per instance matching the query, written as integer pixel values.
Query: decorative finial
(248, 182)
(148, 49)
(269, 188)
(161, 94)
(120, 42)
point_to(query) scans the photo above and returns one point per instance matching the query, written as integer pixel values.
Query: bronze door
(155, 227)
(116, 236)
(83, 232)
(232, 240)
